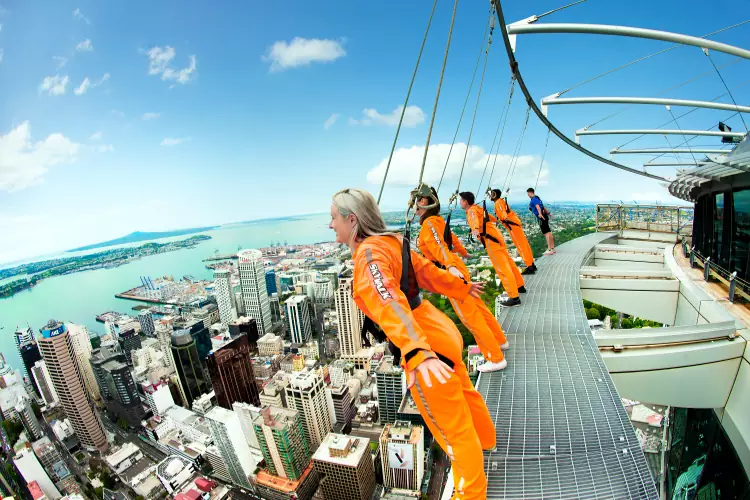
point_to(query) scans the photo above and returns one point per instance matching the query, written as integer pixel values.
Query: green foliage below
(597, 311)
(13, 429)
(593, 313)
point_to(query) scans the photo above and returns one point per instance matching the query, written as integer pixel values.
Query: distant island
(143, 236)
(35, 272)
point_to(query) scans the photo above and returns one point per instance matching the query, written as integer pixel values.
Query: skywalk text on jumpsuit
(455, 412)
(494, 242)
(472, 311)
(512, 223)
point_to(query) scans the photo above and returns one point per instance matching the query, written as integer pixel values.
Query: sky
(145, 116)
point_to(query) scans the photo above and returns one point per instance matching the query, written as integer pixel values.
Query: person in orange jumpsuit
(494, 242)
(472, 312)
(428, 340)
(512, 223)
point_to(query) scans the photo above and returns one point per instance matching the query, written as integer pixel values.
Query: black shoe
(530, 269)
(521, 289)
(511, 302)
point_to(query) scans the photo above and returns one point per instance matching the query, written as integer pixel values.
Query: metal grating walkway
(562, 432)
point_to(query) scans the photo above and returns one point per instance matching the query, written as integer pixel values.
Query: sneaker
(549, 252)
(529, 270)
(505, 346)
(492, 367)
(521, 289)
(510, 302)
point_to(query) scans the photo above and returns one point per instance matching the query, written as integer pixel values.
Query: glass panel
(718, 227)
(741, 237)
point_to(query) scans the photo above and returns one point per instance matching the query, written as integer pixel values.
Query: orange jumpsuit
(454, 412)
(472, 312)
(514, 227)
(504, 266)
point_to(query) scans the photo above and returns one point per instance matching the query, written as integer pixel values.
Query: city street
(148, 450)
(439, 473)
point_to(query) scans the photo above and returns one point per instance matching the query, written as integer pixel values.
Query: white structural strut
(553, 100)
(604, 29)
(665, 151)
(657, 131)
(676, 164)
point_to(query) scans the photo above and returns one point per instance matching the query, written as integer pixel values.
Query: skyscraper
(31, 470)
(129, 342)
(282, 442)
(271, 282)
(402, 456)
(345, 465)
(307, 394)
(350, 318)
(254, 294)
(223, 292)
(343, 407)
(79, 338)
(41, 377)
(28, 419)
(146, 320)
(391, 389)
(188, 366)
(298, 318)
(275, 305)
(123, 400)
(111, 329)
(164, 336)
(232, 373)
(28, 351)
(247, 414)
(247, 326)
(229, 438)
(59, 357)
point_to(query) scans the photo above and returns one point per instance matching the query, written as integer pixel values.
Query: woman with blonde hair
(387, 277)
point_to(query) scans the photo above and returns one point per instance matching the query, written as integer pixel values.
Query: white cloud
(404, 170)
(23, 164)
(159, 63)
(284, 55)
(85, 84)
(85, 46)
(61, 61)
(103, 79)
(151, 116)
(330, 121)
(96, 136)
(54, 85)
(79, 15)
(104, 148)
(118, 113)
(174, 141)
(412, 117)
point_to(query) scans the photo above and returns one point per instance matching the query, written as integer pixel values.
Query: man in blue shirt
(536, 207)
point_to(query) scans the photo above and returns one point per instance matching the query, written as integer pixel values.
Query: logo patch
(435, 235)
(377, 281)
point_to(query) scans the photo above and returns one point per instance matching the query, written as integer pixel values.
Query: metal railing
(616, 217)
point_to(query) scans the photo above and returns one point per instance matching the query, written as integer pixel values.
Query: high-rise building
(188, 366)
(350, 318)
(247, 415)
(323, 292)
(146, 320)
(345, 466)
(402, 455)
(28, 419)
(223, 292)
(50, 458)
(343, 407)
(229, 438)
(391, 389)
(219, 466)
(31, 470)
(298, 322)
(158, 396)
(111, 329)
(79, 337)
(164, 336)
(232, 373)
(99, 357)
(23, 336)
(275, 305)
(247, 326)
(340, 371)
(282, 442)
(123, 400)
(129, 342)
(41, 377)
(254, 294)
(307, 394)
(28, 351)
(199, 331)
(273, 394)
(271, 282)
(67, 379)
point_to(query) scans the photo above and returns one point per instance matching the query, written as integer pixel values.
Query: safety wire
(490, 21)
(541, 163)
(409, 220)
(406, 102)
(705, 51)
(669, 108)
(503, 121)
(514, 160)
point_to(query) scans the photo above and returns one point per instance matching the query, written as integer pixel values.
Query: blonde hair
(362, 204)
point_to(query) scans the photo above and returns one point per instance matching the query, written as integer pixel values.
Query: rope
(502, 121)
(437, 95)
(466, 101)
(705, 51)
(406, 101)
(514, 160)
(476, 108)
(541, 164)
(646, 57)
(669, 108)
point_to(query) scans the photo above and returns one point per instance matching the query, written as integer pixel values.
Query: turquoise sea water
(79, 297)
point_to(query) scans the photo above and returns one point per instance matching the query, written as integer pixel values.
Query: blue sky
(116, 117)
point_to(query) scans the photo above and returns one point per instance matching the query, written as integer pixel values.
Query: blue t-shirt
(536, 202)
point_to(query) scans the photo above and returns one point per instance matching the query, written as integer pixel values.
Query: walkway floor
(562, 431)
